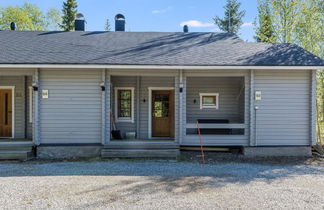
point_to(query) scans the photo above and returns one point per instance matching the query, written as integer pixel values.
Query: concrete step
(16, 155)
(140, 153)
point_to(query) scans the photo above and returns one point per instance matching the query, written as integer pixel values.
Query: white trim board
(116, 107)
(12, 88)
(150, 89)
(152, 67)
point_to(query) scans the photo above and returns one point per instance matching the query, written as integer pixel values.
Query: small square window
(209, 100)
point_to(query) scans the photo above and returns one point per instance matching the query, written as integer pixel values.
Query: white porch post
(103, 107)
(182, 106)
(36, 116)
(108, 107)
(252, 111)
(313, 108)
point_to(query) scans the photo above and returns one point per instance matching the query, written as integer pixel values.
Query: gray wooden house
(64, 92)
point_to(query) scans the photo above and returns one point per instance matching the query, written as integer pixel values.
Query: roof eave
(175, 67)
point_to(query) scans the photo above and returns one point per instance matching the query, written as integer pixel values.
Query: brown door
(5, 113)
(162, 113)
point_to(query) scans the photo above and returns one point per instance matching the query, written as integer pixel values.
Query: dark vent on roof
(13, 26)
(120, 22)
(79, 24)
(185, 29)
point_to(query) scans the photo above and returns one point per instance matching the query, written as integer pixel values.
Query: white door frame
(150, 89)
(12, 88)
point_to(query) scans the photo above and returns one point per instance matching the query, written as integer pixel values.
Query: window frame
(124, 119)
(205, 106)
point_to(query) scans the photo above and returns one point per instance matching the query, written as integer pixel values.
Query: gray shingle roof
(146, 48)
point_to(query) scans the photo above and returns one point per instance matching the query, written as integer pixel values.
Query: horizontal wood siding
(283, 117)
(124, 81)
(20, 97)
(230, 102)
(232, 105)
(72, 113)
(147, 82)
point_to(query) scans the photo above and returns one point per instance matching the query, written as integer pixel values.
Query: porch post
(36, 116)
(313, 108)
(182, 106)
(103, 107)
(252, 111)
(108, 107)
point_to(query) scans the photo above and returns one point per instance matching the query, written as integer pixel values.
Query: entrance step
(132, 149)
(16, 151)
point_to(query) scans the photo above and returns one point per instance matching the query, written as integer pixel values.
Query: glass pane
(157, 105)
(157, 113)
(209, 100)
(125, 94)
(124, 103)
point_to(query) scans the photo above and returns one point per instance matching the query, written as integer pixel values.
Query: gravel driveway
(160, 185)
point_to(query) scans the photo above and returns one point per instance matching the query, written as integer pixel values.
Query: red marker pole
(201, 146)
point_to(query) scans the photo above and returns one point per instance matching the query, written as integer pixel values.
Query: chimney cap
(79, 16)
(119, 16)
(13, 26)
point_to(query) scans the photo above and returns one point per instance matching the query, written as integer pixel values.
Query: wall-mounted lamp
(144, 100)
(181, 87)
(103, 87)
(195, 101)
(35, 87)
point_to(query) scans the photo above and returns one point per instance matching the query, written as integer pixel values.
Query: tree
(232, 20)
(27, 17)
(264, 27)
(309, 29)
(107, 25)
(69, 13)
(53, 19)
(285, 19)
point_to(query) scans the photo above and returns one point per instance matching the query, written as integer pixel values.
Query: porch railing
(217, 125)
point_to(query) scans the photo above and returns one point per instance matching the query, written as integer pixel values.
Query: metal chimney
(120, 22)
(185, 29)
(79, 23)
(13, 26)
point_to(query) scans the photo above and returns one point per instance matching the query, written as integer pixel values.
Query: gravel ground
(156, 184)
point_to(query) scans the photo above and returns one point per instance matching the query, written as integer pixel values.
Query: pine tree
(264, 27)
(69, 12)
(107, 25)
(232, 20)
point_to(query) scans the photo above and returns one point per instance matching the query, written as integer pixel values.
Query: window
(124, 104)
(209, 100)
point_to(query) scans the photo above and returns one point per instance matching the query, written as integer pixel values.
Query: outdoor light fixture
(195, 101)
(103, 87)
(35, 87)
(181, 87)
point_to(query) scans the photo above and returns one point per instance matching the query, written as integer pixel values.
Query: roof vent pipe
(79, 23)
(120, 22)
(13, 26)
(185, 28)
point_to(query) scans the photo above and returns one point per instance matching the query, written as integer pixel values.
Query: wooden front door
(162, 113)
(5, 113)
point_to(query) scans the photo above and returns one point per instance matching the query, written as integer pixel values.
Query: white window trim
(124, 119)
(12, 88)
(209, 106)
(30, 98)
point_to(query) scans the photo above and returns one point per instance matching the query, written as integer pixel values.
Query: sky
(153, 15)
